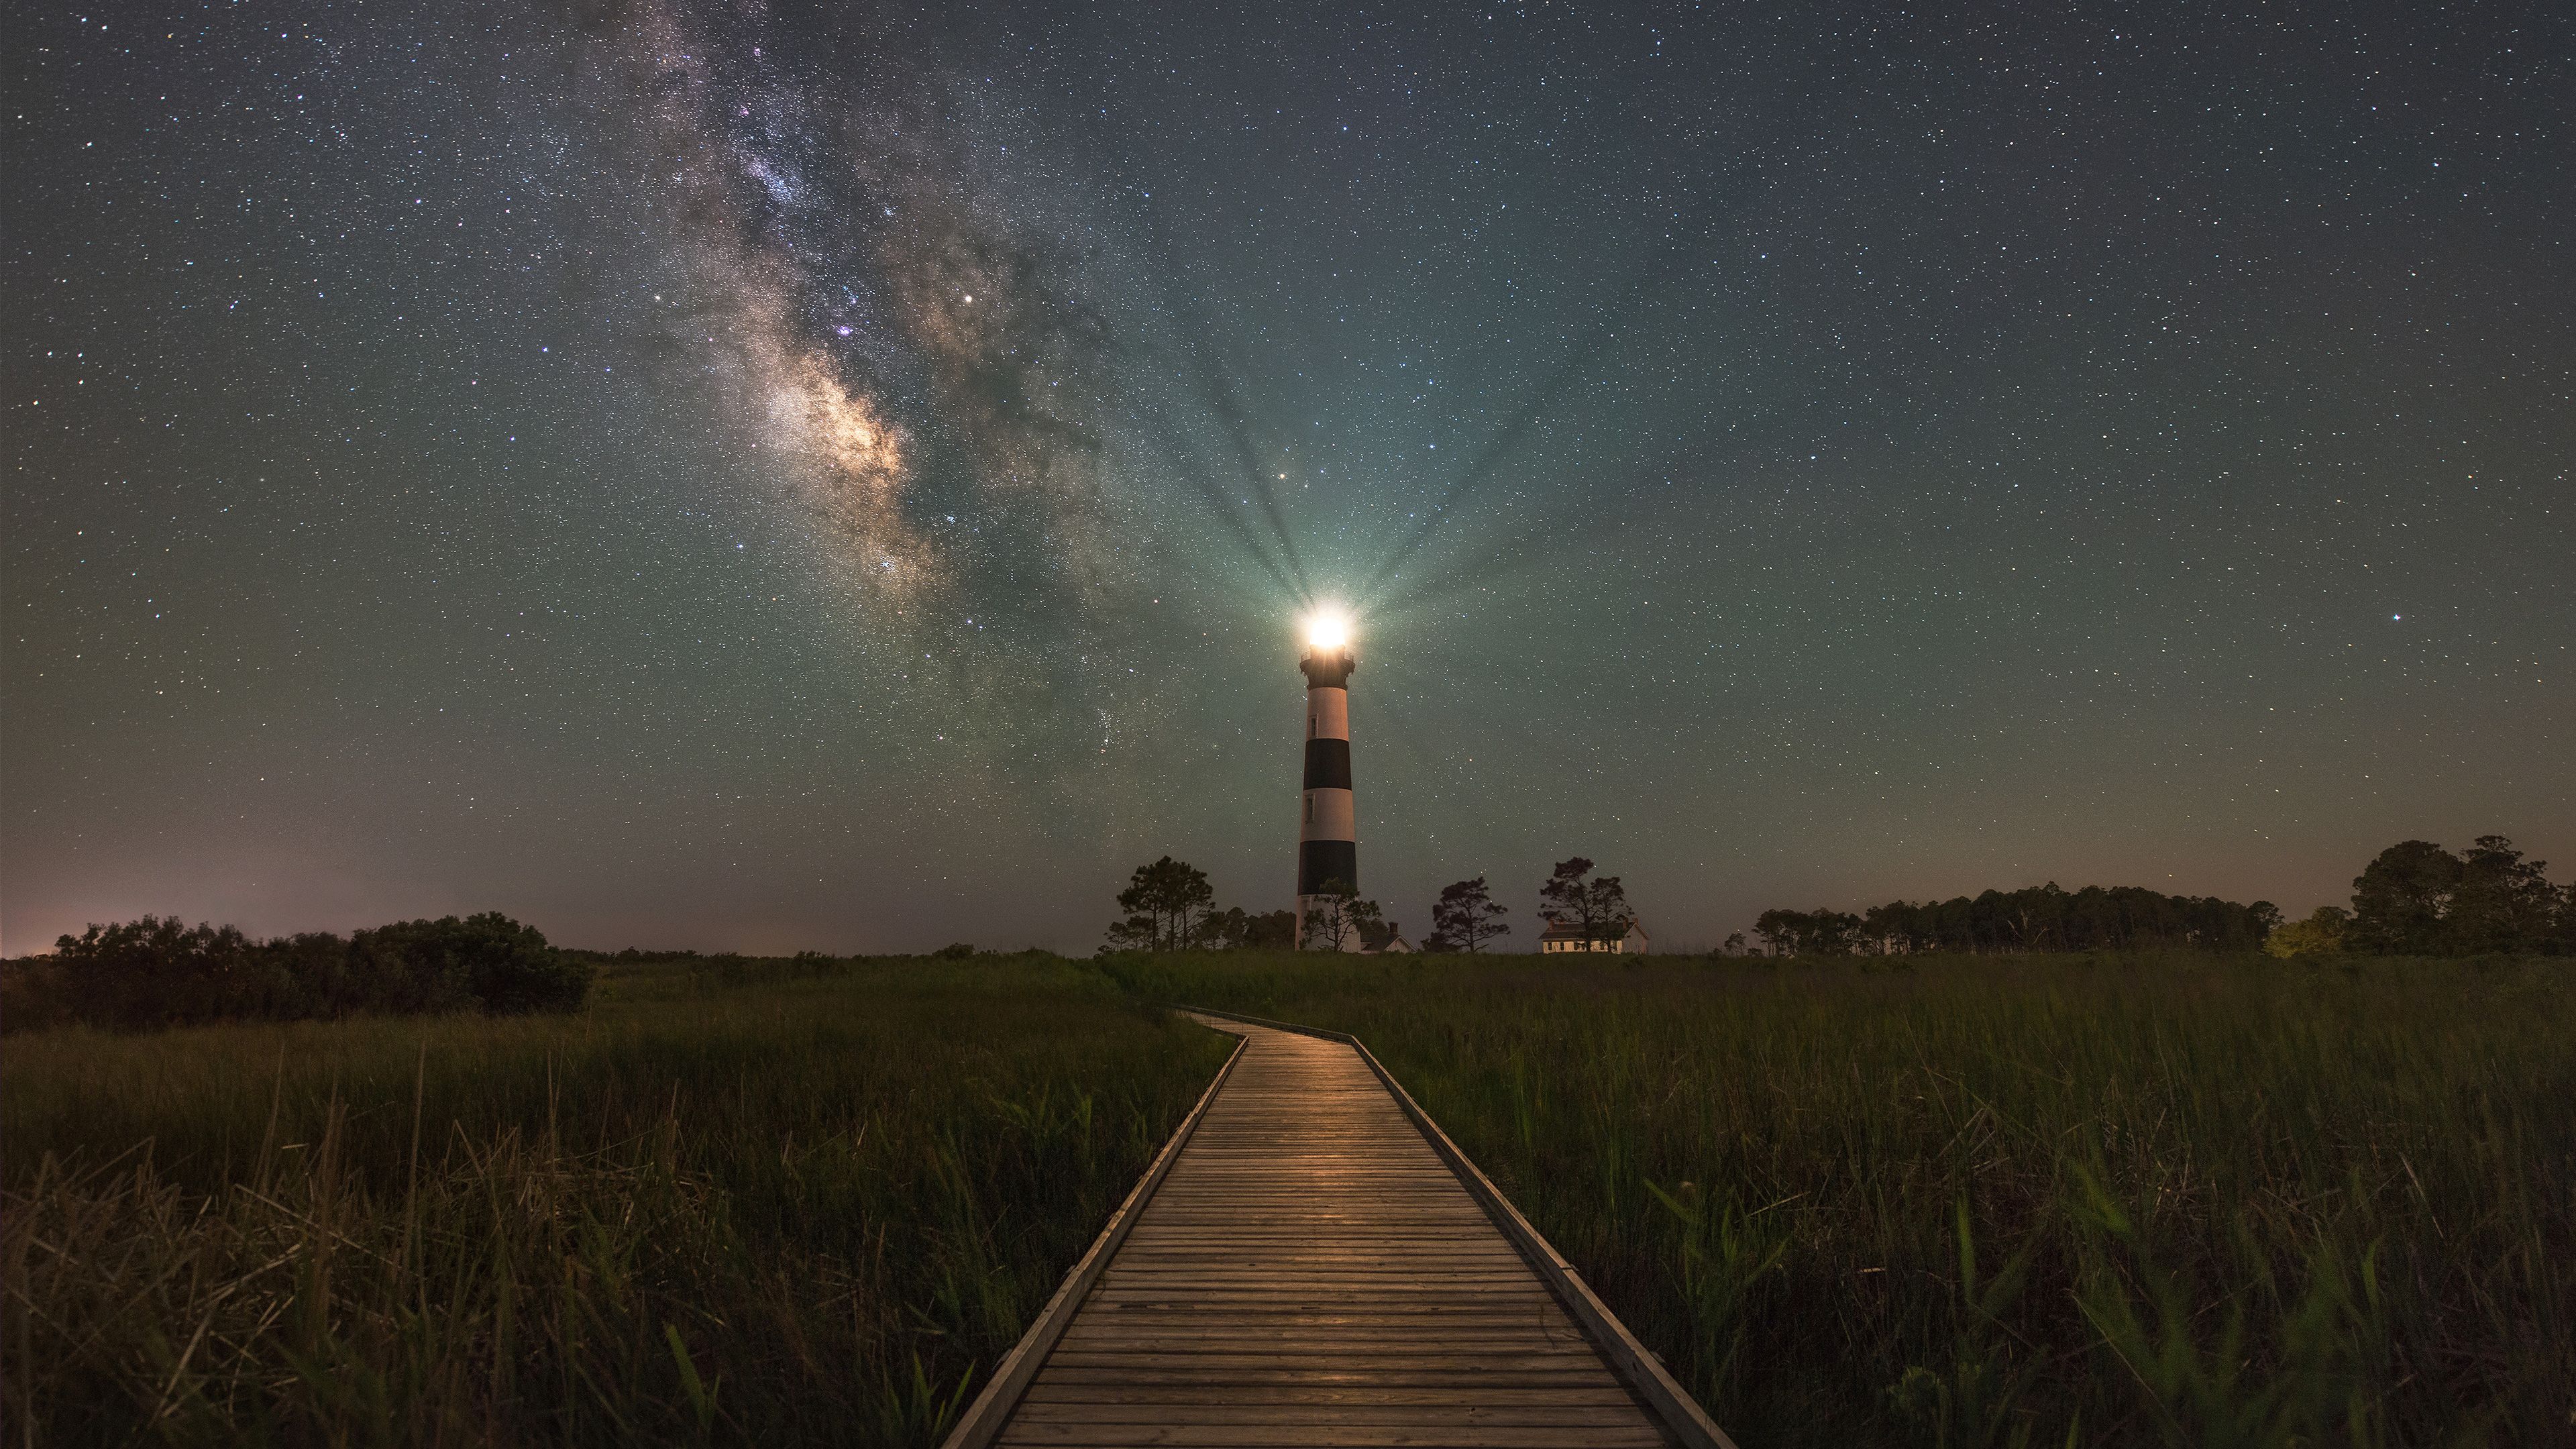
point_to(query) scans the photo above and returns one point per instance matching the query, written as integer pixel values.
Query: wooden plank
(1219, 1383)
(1639, 1367)
(1428, 1349)
(1311, 1269)
(1360, 1413)
(1067, 1391)
(1640, 1430)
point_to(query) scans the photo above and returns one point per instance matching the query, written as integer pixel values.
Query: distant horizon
(1664, 942)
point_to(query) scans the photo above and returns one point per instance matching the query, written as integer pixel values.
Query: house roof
(1562, 931)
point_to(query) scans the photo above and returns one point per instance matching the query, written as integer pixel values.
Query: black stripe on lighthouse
(1321, 860)
(1328, 764)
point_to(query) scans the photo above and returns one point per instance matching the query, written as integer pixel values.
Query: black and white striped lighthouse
(1327, 838)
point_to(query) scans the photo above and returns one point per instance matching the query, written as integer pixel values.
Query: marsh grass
(811, 1206)
(1992, 1201)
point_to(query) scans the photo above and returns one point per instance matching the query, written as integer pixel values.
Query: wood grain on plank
(1311, 1271)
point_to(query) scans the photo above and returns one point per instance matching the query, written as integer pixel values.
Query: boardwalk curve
(1311, 1262)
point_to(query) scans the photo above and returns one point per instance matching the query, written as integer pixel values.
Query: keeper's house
(1561, 937)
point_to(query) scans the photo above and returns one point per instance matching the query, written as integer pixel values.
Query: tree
(1820, 932)
(1136, 933)
(487, 960)
(1223, 930)
(1777, 930)
(1271, 931)
(1337, 917)
(1734, 945)
(158, 971)
(2503, 902)
(155, 970)
(1466, 916)
(2321, 934)
(1165, 902)
(2399, 899)
(1597, 908)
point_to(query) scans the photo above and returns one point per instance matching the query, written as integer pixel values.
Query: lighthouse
(1327, 839)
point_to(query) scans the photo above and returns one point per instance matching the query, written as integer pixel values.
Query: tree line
(159, 971)
(2417, 899)
(2414, 898)
(1170, 906)
(2036, 918)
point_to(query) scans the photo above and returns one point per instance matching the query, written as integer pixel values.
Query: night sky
(766, 476)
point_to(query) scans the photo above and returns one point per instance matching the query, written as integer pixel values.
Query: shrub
(2321, 934)
(159, 971)
(488, 960)
(141, 973)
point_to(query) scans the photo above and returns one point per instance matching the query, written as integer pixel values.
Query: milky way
(742, 475)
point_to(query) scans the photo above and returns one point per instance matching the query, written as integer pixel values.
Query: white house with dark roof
(1562, 937)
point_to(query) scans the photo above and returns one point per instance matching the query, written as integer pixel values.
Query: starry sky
(764, 476)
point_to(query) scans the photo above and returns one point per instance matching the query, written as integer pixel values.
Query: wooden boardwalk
(1311, 1271)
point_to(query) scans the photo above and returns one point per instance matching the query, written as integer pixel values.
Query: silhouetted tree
(158, 971)
(1820, 932)
(1165, 902)
(2400, 898)
(1596, 907)
(1234, 929)
(1466, 917)
(2502, 903)
(1223, 930)
(2038, 918)
(1136, 933)
(1270, 931)
(1338, 918)
(488, 960)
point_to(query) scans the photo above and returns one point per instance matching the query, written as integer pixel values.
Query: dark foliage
(1597, 907)
(1466, 917)
(1171, 907)
(1270, 931)
(2417, 899)
(2038, 918)
(1820, 932)
(1167, 903)
(158, 971)
(1232, 929)
(1338, 918)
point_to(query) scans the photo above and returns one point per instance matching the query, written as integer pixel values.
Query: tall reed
(810, 1210)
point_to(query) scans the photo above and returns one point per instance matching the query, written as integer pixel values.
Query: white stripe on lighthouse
(1329, 816)
(1328, 713)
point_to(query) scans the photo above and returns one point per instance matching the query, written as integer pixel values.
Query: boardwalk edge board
(1630, 1359)
(984, 1418)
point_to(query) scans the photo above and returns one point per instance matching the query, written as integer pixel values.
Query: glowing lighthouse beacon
(1327, 842)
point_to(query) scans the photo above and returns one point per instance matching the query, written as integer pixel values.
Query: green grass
(2131, 1201)
(783, 1201)
(2172, 1201)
